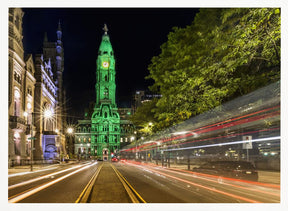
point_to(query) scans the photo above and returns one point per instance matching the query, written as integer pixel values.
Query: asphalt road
(65, 184)
(158, 185)
(63, 187)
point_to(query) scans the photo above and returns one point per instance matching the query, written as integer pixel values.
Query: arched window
(16, 103)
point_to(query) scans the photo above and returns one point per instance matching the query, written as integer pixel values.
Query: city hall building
(101, 132)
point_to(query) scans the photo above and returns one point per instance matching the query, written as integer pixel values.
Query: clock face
(105, 64)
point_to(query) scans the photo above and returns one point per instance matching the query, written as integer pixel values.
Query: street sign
(32, 138)
(247, 145)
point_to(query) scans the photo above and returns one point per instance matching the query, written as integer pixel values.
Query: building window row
(84, 140)
(83, 129)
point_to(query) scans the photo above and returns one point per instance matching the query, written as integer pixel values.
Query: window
(16, 103)
(29, 91)
(17, 143)
(106, 93)
(17, 22)
(17, 77)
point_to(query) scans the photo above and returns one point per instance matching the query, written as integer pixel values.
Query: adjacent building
(36, 116)
(21, 91)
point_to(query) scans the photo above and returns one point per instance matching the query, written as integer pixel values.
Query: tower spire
(59, 31)
(105, 29)
(59, 25)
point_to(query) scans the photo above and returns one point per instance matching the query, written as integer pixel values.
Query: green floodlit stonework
(105, 120)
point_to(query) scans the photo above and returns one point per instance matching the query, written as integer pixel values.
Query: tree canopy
(223, 54)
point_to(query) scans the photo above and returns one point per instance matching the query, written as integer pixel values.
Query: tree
(223, 54)
(143, 116)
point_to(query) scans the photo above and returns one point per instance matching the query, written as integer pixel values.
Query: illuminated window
(106, 93)
(17, 143)
(16, 103)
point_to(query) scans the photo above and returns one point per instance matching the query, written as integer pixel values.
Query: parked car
(234, 169)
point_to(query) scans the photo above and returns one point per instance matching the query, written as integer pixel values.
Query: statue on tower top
(105, 28)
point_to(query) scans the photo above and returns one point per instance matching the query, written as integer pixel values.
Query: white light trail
(39, 188)
(227, 143)
(42, 177)
(29, 172)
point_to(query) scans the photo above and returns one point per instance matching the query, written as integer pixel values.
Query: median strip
(83, 198)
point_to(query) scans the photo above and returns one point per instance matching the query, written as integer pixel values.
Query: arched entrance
(105, 154)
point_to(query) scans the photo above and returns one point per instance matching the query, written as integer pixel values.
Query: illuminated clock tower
(105, 120)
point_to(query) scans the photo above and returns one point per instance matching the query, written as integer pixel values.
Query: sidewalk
(37, 167)
(22, 169)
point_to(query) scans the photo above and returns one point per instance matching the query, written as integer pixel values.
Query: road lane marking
(208, 188)
(130, 186)
(25, 194)
(43, 177)
(83, 198)
(129, 191)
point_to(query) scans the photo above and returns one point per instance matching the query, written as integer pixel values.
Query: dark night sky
(136, 35)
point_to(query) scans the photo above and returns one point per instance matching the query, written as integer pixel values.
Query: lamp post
(70, 132)
(31, 139)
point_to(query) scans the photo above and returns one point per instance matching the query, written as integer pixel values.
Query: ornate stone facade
(21, 91)
(35, 97)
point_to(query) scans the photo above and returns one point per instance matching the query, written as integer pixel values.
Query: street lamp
(69, 130)
(48, 113)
